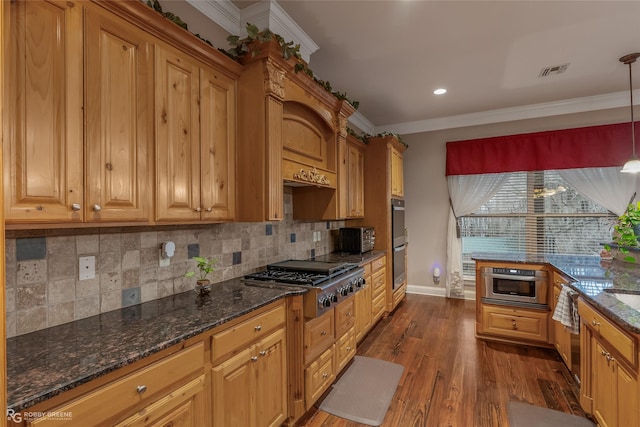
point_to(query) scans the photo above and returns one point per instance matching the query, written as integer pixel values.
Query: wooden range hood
(291, 131)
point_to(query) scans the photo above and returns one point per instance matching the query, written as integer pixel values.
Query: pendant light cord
(633, 130)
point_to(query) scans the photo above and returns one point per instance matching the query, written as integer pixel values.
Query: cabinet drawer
(345, 316)
(399, 294)
(367, 269)
(318, 335)
(96, 407)
(377, 281)
(345, 349)
(318, 377)
(516, 323)
(377, 264)
(241, 335)
(378, 305)
(623, 343)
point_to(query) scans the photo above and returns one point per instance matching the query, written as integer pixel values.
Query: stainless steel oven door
(399, 265)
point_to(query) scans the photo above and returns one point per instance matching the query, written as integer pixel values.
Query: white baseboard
(437, 291)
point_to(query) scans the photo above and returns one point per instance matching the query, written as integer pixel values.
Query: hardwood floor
(453, 379)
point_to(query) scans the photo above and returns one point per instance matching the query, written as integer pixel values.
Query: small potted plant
(204, 267)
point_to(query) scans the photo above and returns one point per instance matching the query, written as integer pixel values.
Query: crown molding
(361, 123)
(547, 109)
(224, 13)
(269, 14)
(263, 14)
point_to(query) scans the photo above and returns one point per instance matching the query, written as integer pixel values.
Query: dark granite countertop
(350, 257)
(593, 278)
(46, 363)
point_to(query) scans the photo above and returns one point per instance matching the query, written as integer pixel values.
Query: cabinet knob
(254, 358)
(141, 389)
(348, 348)
(198, 209)
(76, 207)
(514, 325)
(323, 333)
(325, 375)
(209, 209)
(263, 353)
(258, 328)
(97, 208)
(594, 323)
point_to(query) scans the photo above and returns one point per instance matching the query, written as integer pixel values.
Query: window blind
(535, 213)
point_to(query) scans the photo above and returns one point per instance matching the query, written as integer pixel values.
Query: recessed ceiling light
(440, 91)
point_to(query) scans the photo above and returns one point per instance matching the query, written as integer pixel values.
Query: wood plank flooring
(453, 379)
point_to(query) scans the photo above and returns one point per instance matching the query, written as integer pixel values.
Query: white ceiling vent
(553, 70)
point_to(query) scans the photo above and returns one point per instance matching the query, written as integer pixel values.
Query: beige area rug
(363, 394)
(523, 414)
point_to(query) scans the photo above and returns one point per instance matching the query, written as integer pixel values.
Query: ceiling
(391, 55)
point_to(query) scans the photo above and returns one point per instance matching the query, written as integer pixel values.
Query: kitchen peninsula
(607, 300)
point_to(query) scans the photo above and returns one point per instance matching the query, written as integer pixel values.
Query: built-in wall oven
(399, 237)
(515, 286)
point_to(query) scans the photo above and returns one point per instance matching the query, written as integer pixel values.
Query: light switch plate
(87, 267)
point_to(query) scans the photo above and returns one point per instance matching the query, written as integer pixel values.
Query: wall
(427, 197)
(43, 289)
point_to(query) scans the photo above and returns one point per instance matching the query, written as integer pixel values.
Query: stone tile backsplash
(43, 287)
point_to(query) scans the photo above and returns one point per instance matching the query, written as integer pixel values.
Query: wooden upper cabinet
(355, 181)
(218, 145)
(43, 112)
(119, 119)
(177, 136)
(397, 173)
(195, 140)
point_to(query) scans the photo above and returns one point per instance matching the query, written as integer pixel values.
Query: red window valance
(587, 147)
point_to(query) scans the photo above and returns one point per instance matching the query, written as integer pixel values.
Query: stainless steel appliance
(399, 237)
(328, 282)
(357, 239)
(514, 286)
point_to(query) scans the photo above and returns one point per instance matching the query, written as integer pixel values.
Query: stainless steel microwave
(515, 286)
(357, 239)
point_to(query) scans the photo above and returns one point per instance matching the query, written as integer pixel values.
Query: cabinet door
(355, 199)
(363, 311)
(119, 119)
(271, 376)
(177, 136)
(604, 386)
(218, 145)
(397, 173)
(232, 384)
(43, 112)
(627, 390)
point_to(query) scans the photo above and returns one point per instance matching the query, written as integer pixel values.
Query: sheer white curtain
(606, 186)
(466, 194)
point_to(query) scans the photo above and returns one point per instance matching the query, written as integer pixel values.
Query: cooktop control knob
(334, 298)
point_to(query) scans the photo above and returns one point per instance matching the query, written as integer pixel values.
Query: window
(536, 213)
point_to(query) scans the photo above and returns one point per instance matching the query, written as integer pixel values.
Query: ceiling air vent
(553, 70)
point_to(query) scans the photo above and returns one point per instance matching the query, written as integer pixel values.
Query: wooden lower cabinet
(163, 385)
(183, 407)
(345, 349)
(378, 289)
(363, 311)
(250, 388)
(518, 323)
(318, 376)
(610, 388)
(561, 335)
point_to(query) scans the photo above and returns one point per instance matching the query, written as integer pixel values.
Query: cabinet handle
(610, 358)
(263, 353)
(198, 209)
(97, 208)
(594, 323)
(325, 375)
(76, 207)
(141, 389)
(258, 328)
(254, 358)
(323, 333)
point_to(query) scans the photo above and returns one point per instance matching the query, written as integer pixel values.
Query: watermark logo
(18, 417)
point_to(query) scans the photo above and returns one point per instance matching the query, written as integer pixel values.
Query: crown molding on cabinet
(263, 14)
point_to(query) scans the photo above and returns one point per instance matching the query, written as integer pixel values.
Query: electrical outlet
(87, 268)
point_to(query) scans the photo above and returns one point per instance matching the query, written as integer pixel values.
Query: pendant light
(633, 165)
